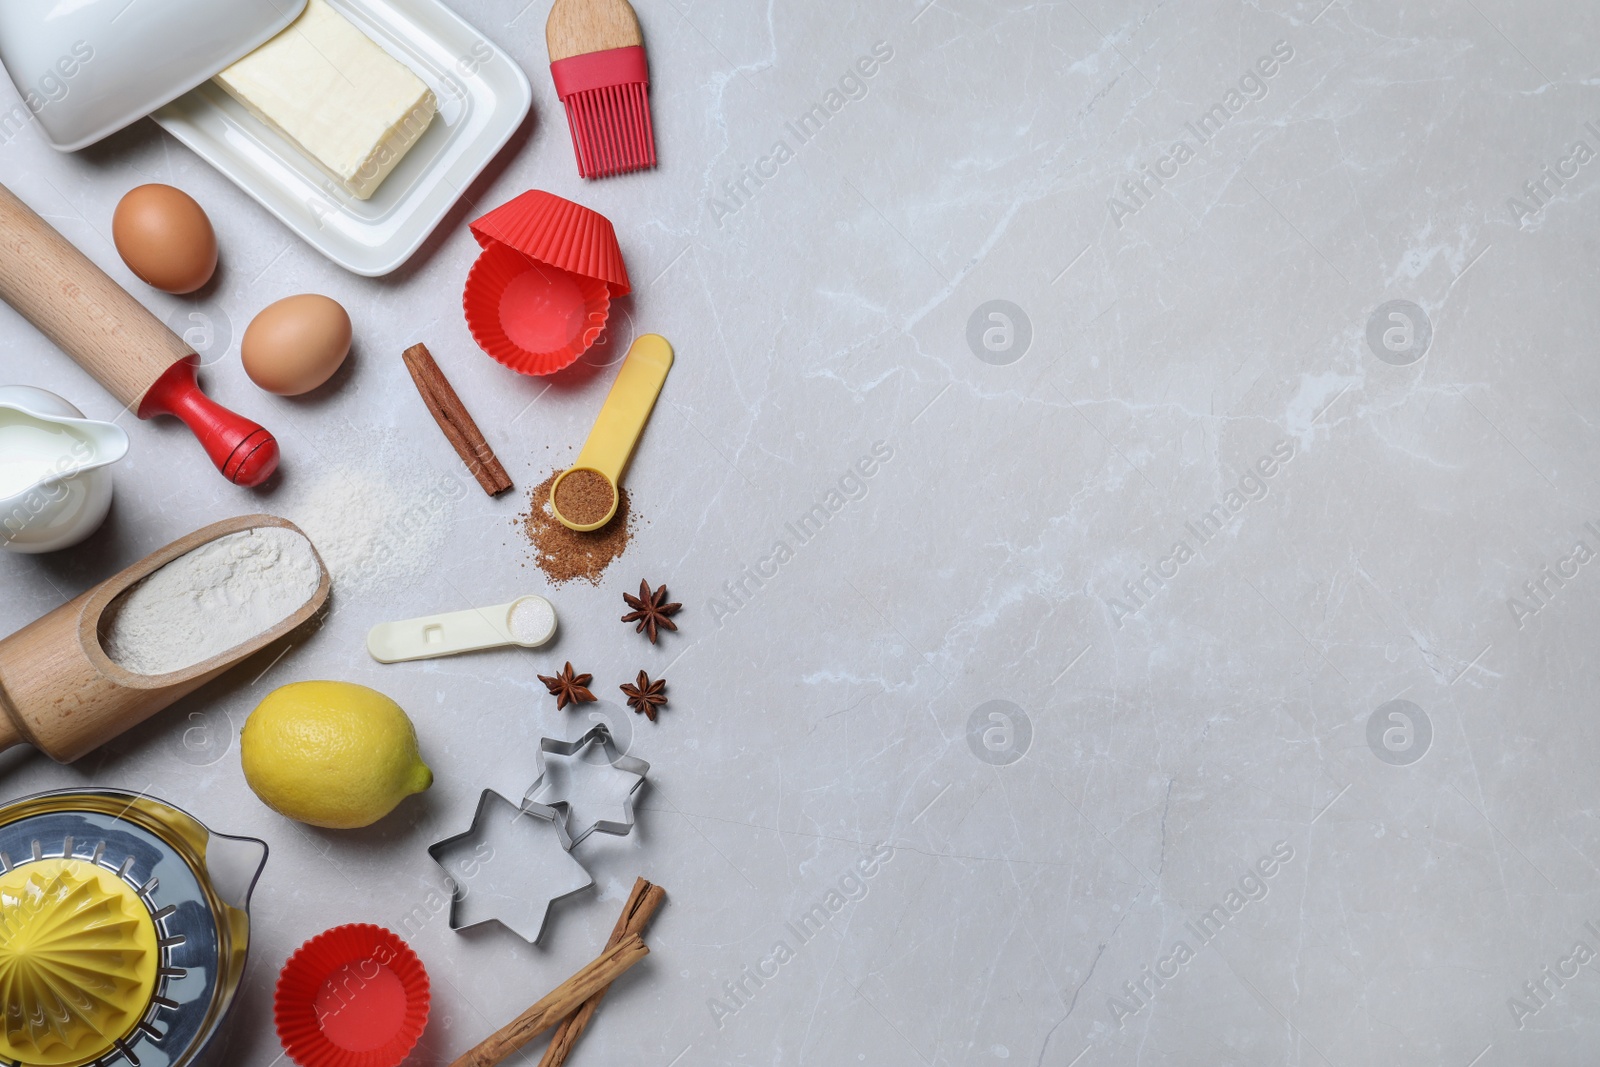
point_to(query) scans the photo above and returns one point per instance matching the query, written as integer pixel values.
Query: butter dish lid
(86, 68)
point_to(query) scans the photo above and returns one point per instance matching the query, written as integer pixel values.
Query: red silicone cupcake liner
(565, 235)
(532, 317)
(355, 996)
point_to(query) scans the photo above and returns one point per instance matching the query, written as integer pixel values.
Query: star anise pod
(568, 688)
(645, 696)
(650, 610)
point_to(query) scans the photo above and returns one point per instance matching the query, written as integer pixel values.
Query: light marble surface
(1174, 740)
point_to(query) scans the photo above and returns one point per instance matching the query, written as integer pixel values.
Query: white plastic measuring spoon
(529, 621)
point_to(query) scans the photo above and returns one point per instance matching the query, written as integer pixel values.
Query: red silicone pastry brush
(598, 62)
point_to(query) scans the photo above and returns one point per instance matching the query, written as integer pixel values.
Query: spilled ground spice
(584, 496)
(563, 554)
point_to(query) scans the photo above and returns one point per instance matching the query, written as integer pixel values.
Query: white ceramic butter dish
(87, 68)
(483, 97)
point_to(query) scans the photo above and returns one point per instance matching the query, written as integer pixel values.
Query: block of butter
(348, 105)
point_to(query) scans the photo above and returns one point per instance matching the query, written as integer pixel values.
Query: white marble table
(1183, 507)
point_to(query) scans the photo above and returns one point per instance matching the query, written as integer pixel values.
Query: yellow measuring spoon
(584, 487)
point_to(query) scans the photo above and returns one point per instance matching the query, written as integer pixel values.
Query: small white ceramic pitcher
(55, 489)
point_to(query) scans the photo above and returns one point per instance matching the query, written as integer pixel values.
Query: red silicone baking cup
(355, 996)
(540, 293)
(530, 316)
(553, 230)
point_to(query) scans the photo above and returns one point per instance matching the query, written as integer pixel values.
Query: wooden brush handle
(561, 1002)
(578, 27)
(77, 305)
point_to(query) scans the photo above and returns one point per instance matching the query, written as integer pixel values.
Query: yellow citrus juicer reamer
(621, 420)
(123, 930)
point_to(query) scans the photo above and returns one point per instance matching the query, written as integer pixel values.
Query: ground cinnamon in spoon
(564, 554)
(584, 496)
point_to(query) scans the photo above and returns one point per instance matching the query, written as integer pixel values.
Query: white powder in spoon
(210, 600)
(533, 621)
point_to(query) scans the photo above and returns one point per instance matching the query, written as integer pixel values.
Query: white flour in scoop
(211, 599)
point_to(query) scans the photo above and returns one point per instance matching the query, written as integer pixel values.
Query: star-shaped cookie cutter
(510, 867)
(573, 790)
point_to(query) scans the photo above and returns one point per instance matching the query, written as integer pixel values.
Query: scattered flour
(372, 531)
(209, 600)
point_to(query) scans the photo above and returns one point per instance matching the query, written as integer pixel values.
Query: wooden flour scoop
(61, 693)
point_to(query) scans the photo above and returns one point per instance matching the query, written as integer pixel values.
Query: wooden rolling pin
(62, 694)
(146, 366)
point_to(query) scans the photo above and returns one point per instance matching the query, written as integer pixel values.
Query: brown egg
(295, 345)
(165, 238)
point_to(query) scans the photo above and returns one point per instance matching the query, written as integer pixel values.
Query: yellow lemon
(331, 754)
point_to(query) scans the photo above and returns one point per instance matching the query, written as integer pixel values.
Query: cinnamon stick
(557, 1005)
(452, 416)
(637, 912)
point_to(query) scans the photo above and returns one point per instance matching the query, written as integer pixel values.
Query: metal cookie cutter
(586, 785)
(510, 867)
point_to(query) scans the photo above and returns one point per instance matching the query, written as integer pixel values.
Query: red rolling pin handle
(244, 452)
(141, 362)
